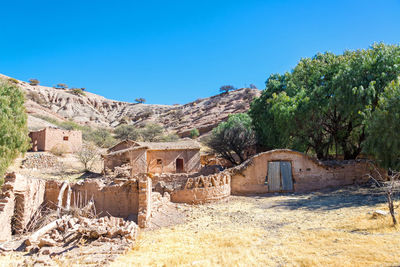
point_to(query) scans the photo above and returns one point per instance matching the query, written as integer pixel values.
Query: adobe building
(47, 138)
(285, 170)
(155, 157)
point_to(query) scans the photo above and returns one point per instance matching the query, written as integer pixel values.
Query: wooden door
(286, 176)
(274, 179)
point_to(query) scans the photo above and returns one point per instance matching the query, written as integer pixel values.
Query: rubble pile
(40, 161)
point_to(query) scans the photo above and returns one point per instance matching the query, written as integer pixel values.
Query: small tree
(101, 137)
(252, 86)
(34, 82)
(226, 88)
(232, 138)
(88, 155)
(151, 132)
(140, 100)
(194, 133)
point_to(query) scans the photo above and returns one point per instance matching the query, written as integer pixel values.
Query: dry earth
(331, 228)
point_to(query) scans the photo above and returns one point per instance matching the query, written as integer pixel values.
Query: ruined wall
(56, 137)
(203, 189)
(20, 199)
(145, 191)
(38, 140)
(308, 174)
(191, 159)
(119, 200)
(136, 158)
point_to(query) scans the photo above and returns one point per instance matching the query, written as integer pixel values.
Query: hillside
(91, 109)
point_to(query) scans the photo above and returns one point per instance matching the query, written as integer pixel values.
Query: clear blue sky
(177, 51)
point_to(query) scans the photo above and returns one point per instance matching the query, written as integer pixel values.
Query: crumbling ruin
(51, 138)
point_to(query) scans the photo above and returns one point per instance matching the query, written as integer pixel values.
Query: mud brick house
(48, 138)
(155, 157)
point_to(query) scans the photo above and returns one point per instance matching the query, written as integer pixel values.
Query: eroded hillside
(63, 104)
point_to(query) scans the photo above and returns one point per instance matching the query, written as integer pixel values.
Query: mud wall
(38, 140)
(20, 199)
(145, 191)
(203, 189)
(162, 161)
(58, 137)
(308, 174)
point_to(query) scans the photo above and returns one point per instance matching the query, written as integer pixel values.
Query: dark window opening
(179, 165)
(159, 161)
(65, 138)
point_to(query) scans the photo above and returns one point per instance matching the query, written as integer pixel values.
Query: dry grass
(262, 232)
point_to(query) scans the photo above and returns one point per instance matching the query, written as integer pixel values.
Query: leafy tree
(232, 138)
(171, 137)
(321, 104)
(226, 88)
(140, 100)
(124, 132)
(34, 82)
(194, 133)
(61, 86)
(13, 125)
(100, 137)
(383, 129)
(77, 91)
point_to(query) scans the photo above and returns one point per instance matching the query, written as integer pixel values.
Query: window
(159, 161)
(65, 138)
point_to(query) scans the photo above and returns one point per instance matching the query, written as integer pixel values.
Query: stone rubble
(40, 161)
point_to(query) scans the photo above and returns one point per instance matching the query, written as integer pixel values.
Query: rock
(47, 242)
(379, 213)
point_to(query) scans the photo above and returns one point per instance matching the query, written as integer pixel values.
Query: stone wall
(145, 191)
(203, 189)
(7, 206)
(308, 174)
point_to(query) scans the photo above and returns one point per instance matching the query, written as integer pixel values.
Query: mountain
(94, 110)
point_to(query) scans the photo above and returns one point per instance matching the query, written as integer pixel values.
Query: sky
(174, 52)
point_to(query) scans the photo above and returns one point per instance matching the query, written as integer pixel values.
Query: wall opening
(65, 138)
(279, 176)
(179, 165)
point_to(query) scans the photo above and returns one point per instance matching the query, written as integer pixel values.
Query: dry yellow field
(319, 229)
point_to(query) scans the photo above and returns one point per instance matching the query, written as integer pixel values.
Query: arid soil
(330, 228)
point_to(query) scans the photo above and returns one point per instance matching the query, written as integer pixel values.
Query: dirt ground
(331, 228)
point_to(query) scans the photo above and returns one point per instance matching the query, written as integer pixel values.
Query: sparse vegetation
(226, 88)
(194, 133)
(61, 86)
(252, 86)
(36, 97)
(12, 80)
(59, 150)
(34, 82)
(231, 139)
(101, 137)
(151, 132)
(13, 125)
(124, 132)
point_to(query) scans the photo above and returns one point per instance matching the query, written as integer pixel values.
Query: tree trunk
(391, 207)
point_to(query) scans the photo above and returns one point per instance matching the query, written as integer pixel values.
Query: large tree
(13, 125)
(231, 139)
(321, 103)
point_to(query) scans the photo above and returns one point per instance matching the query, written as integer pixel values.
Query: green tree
(34, 82)
(226, 88)
(124, 132)
(151, 132)
(13, 125)
(194, 133)
(320, 104)
(100, 137)
(383, 129)
(232, 138)
(140, 100)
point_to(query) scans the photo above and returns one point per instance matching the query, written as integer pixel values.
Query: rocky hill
(91, 109)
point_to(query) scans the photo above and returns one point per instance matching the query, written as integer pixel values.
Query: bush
(194, 133)
(12, 80)
(13, 125)
(59, 150)
(100, 137)
(151, 132)
(34, 82)
(36, 97)
(77, 91)
(171, 137)
(124, 132)
(61, 86)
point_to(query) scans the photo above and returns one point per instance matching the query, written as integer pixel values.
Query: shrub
(171, 137)
(151, 132)
(100, 137)
(61, 86)
(36, 97)
(77, 91)
(12, 80)
(226, 88)
(13, 124)
(59, 150)
(252, 86)
(194, 133)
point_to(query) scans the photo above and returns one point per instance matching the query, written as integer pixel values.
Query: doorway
(280, 176)
(179, 165)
